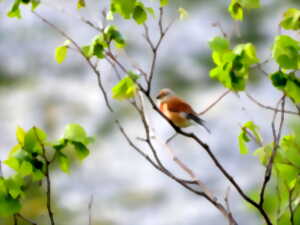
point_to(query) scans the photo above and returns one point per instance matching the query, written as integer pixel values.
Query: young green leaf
(286, 52)
(20, 133)
(183, 14)
(74, 132)
(8, 205)
(236, 10)
(61, 53)
(126, 88)
(139, 14)
(124, 7)
(291, 19)
(15, 12)
(64, 162)
(81, 150)
(163, 3)
(25, 168)
(242, 142)
(34, 4)
(219, 44)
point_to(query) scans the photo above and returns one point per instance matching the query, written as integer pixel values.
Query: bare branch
(214, 103)
(219, 26)
(269, 107)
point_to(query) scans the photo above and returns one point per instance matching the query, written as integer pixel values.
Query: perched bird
(177, 110)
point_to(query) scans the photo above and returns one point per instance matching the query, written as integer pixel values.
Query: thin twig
(97, 73)
(219, 26)
(15, 219)
(292, 214)
(47, 174)
(214, 103)
(269, 107)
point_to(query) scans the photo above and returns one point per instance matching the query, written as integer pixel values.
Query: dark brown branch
(269, 107)
(276, 138)
(214, 103)
(292, 214)
(15, 219)
(212, 156)
(47, 174)
(25, 219)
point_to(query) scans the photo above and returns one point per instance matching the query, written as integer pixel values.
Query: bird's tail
(198, 120)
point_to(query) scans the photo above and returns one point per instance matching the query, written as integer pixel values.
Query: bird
(177, 110)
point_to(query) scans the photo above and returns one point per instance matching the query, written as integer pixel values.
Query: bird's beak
(158, 96)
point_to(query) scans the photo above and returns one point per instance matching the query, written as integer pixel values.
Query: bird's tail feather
(198, 120)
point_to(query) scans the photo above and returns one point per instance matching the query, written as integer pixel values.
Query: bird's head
(165, 94)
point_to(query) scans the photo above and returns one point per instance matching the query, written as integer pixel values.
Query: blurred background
(126, 190)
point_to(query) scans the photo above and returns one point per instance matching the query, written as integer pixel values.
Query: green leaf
(112, 33)
(264, 153)
(13, 163)
(64, 162)
(242, 143)
(183, 14)
(288, 83)
(80, 4)
(163, 3)
(254, 129)
(139, 14)
(97, 47)
(291, 19)
(61, 53)
(81, 150)
(86, 51)
(236, 10)
(250, 4)
(37, 175)
(8, 205)
(34, 4)
(14, 185)
(219, 44)
(279, 79)
(15, 12)
(25, 168)
(126, 88)
(124, 7)
(20, 133)
(247, 52)
(75, 133)
(286, 52)
(33, 140)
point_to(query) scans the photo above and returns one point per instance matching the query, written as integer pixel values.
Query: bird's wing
(176, 104)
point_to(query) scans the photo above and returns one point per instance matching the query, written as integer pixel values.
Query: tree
(276, 201)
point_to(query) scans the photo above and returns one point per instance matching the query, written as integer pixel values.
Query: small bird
(177, 110)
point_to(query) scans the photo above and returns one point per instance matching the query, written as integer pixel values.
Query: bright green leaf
(25, 168)
(34, 4)
(13, 163)
(8, 205)
(242, 143)
(219, 44)
(250, 4)
(15, 12)
(74, 132)
(126, 88)
(61, 53)
(64, 162)
(20, 133)
(183, 14)
(164, 3)
(81, 150)
(124, 7)
(286, 52)
(291, 19)
(236, 10)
